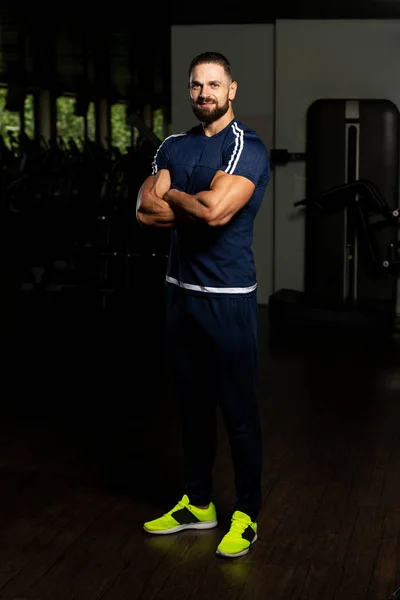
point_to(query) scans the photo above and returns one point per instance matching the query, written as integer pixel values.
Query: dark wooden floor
(89, 450)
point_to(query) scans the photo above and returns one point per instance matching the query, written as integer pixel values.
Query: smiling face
(211, 92)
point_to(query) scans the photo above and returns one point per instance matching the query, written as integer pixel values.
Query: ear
(232, 90)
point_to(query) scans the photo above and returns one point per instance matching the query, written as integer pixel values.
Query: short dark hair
(212, 57)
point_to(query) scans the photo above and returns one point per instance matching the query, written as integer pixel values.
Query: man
(207, 185)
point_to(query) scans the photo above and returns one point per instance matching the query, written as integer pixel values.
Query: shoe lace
(179, 505)
(237, 528)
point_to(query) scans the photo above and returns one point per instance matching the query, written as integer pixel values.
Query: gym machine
(351, 260)
(74, 254)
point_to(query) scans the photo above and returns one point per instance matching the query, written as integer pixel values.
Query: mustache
(205, 101)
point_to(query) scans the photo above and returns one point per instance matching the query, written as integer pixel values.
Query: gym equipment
(371, 216)
(68, 214)
(351, 220)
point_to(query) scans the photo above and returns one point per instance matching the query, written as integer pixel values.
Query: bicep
(154, 186)
(232, 192)
(162, 182)
(151, 208)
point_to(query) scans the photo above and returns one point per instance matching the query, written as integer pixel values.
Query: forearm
(216, 206)
(156, 213)
(151, 209)
(156, 220)
(194, 206)
(162, 215)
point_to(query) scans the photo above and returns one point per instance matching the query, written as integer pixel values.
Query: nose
(205, 92)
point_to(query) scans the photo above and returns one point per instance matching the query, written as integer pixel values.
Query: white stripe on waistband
(211, 290)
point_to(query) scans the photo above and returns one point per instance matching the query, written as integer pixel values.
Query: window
(91, 122)
(121, 132)
(29, 116)
(69, 125)
(10, 123)
(158, 123)
(123, 135)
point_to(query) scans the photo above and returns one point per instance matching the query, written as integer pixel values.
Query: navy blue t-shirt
(214, 260)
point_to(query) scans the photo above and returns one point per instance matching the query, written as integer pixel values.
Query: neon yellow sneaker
(183, 516)
(241, 535)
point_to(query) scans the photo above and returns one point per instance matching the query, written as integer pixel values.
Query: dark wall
(123, 55)
(92, 55)
(254, 11)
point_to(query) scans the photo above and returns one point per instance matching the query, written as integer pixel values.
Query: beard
(210, 114)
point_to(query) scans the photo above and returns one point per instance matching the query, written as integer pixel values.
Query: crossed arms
(159, 205)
